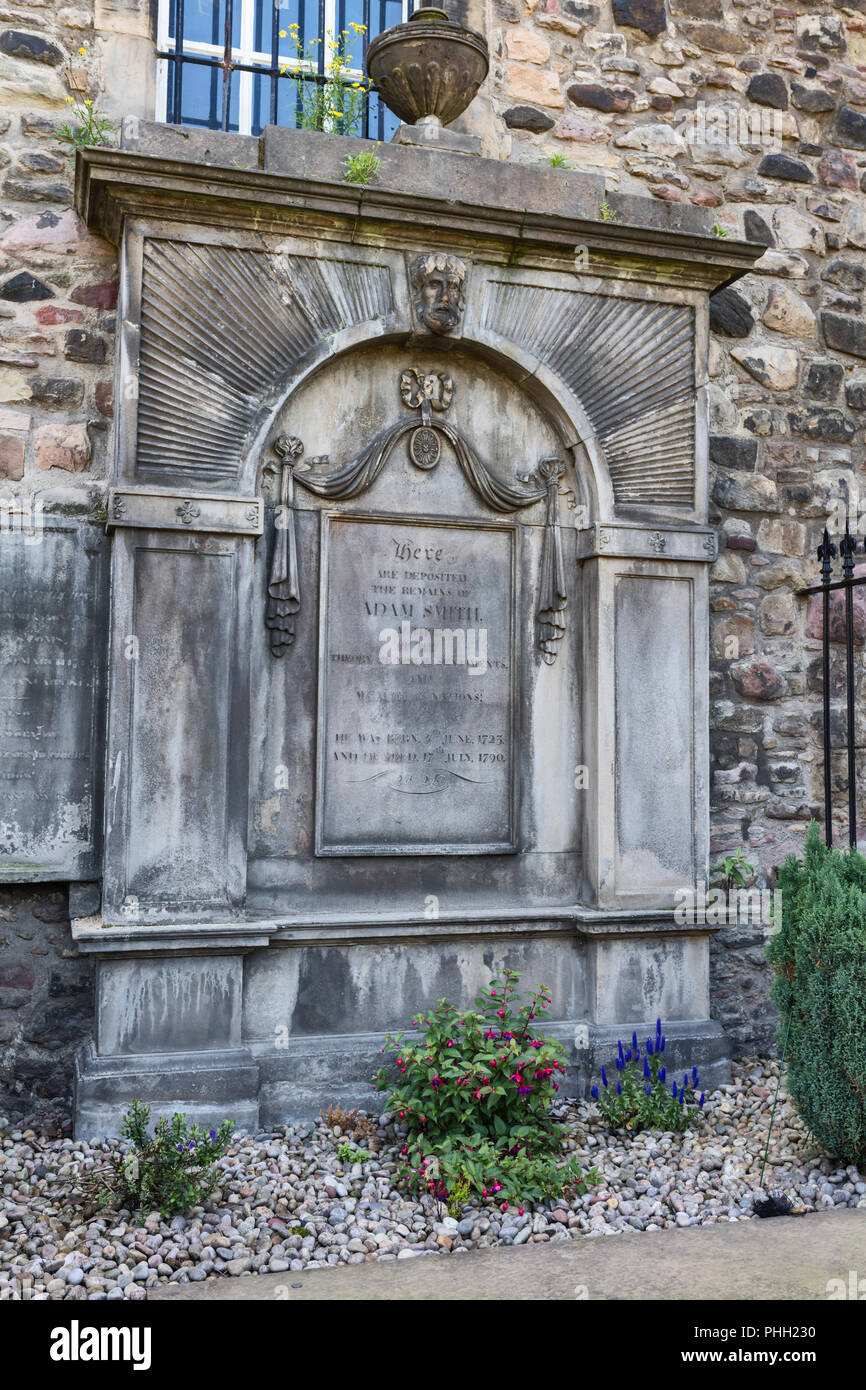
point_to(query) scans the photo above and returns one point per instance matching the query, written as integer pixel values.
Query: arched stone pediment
(228, 331)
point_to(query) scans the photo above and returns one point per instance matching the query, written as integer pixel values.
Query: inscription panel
(52, 577)
(416, 687)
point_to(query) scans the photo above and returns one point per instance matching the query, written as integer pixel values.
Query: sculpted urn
(429, 69)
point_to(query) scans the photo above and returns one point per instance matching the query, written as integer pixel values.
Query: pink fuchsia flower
(501, 1013)
(505, 1206)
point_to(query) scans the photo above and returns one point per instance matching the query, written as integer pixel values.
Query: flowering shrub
(170, 1171)
(640, 1095)
(474, 1096)
(337, 104)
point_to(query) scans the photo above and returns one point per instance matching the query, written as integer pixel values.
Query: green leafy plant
(719, 230)
(609, 214)
(458, 1197)
(474, 1094)
(640, 1096)
(336, 104)
(350, 1153)
(734, 871)
(88, 125)
(361, 168)
(172, 1170)
(559, 161)
(819, 955)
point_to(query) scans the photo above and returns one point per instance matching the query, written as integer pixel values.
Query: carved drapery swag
(430, 393)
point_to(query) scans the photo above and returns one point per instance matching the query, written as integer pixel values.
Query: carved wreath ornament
(430, 394)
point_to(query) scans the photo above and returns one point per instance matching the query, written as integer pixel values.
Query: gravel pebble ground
(286, 1202)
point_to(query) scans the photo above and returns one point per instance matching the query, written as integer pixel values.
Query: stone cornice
(511, 214)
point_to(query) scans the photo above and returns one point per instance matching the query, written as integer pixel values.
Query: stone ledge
(93, 937)
(624, 540)
(519, 212)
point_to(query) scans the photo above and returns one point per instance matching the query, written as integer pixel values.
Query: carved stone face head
(438, 284)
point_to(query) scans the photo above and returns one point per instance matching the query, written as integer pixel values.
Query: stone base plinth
(300, 1023)
(437, 137)
(207, 1087)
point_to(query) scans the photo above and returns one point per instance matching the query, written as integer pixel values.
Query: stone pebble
(285, 1202)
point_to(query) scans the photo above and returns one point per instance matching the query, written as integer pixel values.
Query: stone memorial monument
(389, 664)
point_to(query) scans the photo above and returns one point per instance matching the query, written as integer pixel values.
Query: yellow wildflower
(83, 52)
(282, 33)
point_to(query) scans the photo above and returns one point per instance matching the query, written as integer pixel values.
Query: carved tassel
(553, 595)
(284, 590)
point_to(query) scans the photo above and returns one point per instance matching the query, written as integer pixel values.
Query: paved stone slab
(788, 1258)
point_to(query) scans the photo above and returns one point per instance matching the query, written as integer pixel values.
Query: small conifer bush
(819, 954)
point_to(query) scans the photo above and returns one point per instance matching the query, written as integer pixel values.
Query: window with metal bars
(222, 63)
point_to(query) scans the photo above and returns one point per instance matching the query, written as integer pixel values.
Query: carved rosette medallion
(424, 449)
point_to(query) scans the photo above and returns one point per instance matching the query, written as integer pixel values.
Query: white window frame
(245, 53)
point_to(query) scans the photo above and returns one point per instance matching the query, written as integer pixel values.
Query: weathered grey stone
(768, 89)
(824, 379)
(17, 44)
(528, 118)
(832, 426)
(844, 333)
(647, 15)
(851, 274)
(784, 166)
(730, 314)
(756, 228)
(728, 451)
(22, 288)
(811, 99)
(52, 657)
(855, 394)
(850, 128)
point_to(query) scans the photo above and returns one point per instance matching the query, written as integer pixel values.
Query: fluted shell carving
(631, 365)
(221, 328)
(425, 68)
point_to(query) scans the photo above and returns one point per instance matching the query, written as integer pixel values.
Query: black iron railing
(376, 122)
(827, 552)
